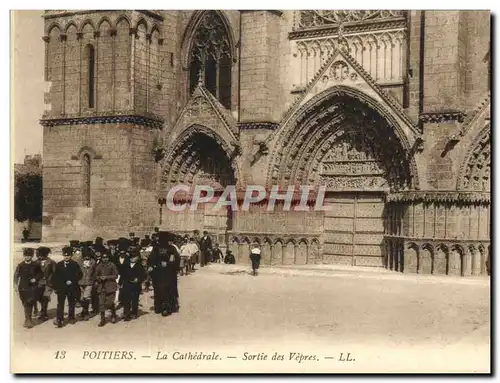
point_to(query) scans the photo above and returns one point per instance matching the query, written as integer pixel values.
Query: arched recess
(475, 171)
(456, 261)
(266, 251)
(194, 141)
(72, 77)
(86, 157)
(426, 260)
(339, 112)
(200, 156)
(122, 64)
(346, 141)
(277, 253)
(54, 66)
(208, 51)
(441, 260)
(104, 65)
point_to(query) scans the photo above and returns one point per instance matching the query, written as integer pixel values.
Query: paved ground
(386, 321)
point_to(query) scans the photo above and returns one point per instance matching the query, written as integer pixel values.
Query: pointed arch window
(210, 58)
(86, 172)
(91, 72)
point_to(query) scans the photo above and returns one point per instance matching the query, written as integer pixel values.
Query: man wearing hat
(87, 265)
(77, 247)
(145, 251)
(95, 297)
(166, 265)
(26, 277)
(153, 272)
(121, 261)
(106, 275)
(229, 259)
(45, 290)
(99, 245)
(205, 248)
(112, 248)
(146, 240)
(132, 277)
(65, 283)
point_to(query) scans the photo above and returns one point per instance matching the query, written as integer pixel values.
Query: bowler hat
(165, 236)
(43, 251)
(87, 253)
(67, 250)
(123, 243)
(28, 252)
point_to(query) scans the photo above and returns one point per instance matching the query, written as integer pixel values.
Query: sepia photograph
(250, 191)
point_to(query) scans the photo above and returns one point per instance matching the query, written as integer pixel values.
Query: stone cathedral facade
(390, 110)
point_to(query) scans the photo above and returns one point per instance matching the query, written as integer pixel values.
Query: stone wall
(122, 183)
(429, 69)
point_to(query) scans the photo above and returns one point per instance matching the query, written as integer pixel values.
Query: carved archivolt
(199, 155)
(337, 116)
(475, 172)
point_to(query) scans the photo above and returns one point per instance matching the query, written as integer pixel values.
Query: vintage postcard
(258, 191)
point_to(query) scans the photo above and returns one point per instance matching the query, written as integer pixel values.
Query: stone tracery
(475, 172)
(317, 18)
(211, 58)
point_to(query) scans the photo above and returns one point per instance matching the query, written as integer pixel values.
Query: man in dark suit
(26, 278)
(205, 248)
(65, 282)
(106, 275)
(166, 263)
(131, 278)
(121, 261)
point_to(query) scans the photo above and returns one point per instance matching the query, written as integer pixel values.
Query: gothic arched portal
(346, 144)
(199, 159)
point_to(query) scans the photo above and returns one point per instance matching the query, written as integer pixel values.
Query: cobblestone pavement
(386, 321)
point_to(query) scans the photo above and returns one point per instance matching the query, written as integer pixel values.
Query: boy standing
(87, 265)
(106, 275)
(48, 267)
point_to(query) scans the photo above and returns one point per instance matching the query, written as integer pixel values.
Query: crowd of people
(100, 278)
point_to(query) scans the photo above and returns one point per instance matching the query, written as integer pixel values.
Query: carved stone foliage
(476, 171)
(344, 144)
(319, 18)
